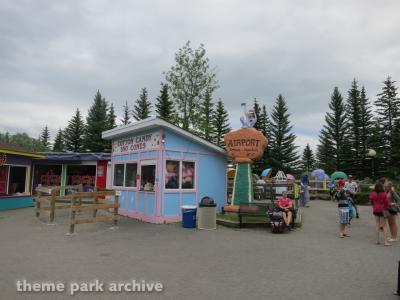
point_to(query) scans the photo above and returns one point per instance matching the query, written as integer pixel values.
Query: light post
(371, 154)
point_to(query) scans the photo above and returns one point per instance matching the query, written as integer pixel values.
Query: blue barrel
(189, 216)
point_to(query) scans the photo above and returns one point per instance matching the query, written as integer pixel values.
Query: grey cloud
(54, 55)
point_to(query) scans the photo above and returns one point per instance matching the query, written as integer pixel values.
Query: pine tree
(335, 130)
(257, 112)
(45, 138)
(111, 117)
(206, 127)
(142, 108)
(353, 107)
(283, 149)
(126, 118)
(96, 122)
(325, 153)
(221, 123)
(365, 130)
(59, 142)
(73, 133)
(388, 108)
(264, 123)
(164, 105)
(308, 159)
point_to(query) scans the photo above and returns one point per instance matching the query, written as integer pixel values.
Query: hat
(341, 182)
(350, 176)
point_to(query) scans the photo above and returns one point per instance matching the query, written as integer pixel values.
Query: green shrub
(363, 198)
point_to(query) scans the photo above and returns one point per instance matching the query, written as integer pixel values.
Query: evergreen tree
(142, 108)
(365, 130)
(126, 118)
(257, 112)
(45, 138)
(221, 123)
(325, 153)
(264, 127)
(59, 142)
(164, 105)
(353, 107)
(189, 80)
(206, 127)
(308, 160)
(283, 149)
(96, 122)
(335, 130)
(111, 117)
(73, 133)
(388, 107)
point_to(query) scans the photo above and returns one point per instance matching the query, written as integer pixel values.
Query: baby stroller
(276, 219)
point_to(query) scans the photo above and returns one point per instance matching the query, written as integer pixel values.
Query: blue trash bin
(189, 216)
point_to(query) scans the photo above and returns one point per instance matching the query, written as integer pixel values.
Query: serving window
(148, 174)
(179, 174)
(119, 170)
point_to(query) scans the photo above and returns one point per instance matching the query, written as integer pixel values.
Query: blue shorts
(344, 215)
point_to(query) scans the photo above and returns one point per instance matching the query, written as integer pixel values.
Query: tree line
(352, 127)
(186, 99)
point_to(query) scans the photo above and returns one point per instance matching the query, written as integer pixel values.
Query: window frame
(27, 179)
(131, 188)
(180, 189)
(146, 162)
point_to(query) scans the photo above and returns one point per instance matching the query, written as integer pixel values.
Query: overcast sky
(54, 55)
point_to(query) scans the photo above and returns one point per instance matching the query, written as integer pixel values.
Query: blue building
(158, 167)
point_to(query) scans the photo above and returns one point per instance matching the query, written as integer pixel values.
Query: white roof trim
(157, 122)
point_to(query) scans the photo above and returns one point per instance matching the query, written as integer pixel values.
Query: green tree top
(189, 80)
(142, 107)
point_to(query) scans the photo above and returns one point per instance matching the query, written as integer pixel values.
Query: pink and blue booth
(159, 167)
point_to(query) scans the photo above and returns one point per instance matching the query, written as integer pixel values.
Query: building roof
(154, 122)
(17, 150)
(75, 156)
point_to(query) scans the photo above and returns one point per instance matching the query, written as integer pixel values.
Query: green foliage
(206, 125)
(165, 106)
(111, 117)
(45, 138)
(325, 152)
(73, 133)
(365, 130)
(388, 111)
(257, 112)
(334, 133)
(142, 107)
(126, 118)
(23, 140)
(190, 79)
(308, 160)
(221, 123)
(59, 142)
(97, 121)
(283, 149)
(353, 108)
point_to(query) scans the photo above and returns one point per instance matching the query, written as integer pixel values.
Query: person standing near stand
(305, 194)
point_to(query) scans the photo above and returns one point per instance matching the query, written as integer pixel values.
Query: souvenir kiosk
(159, 167)
(72, 168)
(15, 176)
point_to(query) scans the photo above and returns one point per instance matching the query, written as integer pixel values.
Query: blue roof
(75, 156)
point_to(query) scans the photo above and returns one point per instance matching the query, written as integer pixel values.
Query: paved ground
(310, 263)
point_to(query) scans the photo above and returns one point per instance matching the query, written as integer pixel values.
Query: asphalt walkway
(309, 263)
